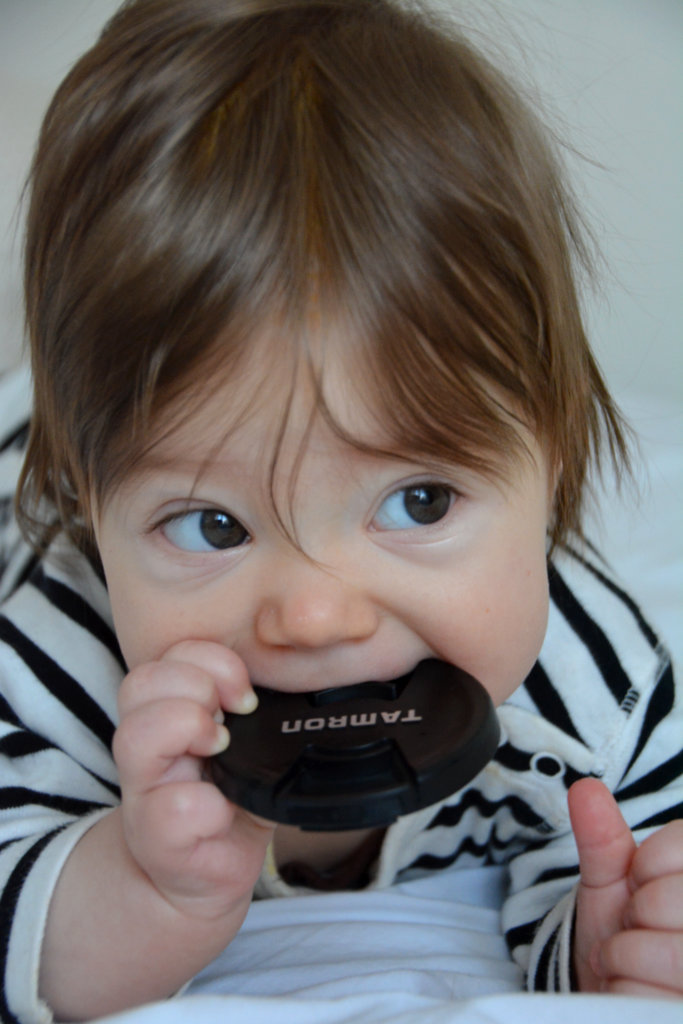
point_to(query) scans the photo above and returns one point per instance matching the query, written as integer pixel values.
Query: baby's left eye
(416, 505)
(205, 530)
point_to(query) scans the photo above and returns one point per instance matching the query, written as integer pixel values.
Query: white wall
(612, 75)
(39, 40)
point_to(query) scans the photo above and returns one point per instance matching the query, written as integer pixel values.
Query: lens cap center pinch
(362, 755)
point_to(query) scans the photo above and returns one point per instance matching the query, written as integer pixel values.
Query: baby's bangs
(426, 400)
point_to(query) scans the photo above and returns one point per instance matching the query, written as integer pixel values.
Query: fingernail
(222, 741)
(219, 716)
(247, 703)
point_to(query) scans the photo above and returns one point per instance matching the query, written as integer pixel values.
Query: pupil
(427, 503)
(221, 530)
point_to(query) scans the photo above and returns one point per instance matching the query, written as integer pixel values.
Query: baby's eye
(205, 530)
(416, 505)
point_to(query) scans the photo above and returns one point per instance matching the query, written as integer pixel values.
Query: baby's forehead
(280, 381)
(263, 417)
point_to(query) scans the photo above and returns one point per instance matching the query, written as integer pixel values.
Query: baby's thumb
(603, 838)
(606, 847)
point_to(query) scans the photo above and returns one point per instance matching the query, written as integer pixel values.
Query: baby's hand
(202, 853)
(629, 917)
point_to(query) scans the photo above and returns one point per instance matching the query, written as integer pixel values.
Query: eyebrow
(181, 473)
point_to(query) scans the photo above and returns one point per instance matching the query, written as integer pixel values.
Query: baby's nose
(315, 610)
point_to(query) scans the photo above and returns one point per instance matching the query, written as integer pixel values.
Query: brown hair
(212, 165)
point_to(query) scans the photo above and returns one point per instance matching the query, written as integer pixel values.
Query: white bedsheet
(399, 1008)
(437, 936)
(428, 951)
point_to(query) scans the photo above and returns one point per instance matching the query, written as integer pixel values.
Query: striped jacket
(600, 701)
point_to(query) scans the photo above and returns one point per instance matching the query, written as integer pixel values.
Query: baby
(313, 402)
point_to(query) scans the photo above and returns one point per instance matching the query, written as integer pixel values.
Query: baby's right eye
(205, 530)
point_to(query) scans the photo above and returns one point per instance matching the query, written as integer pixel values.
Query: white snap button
(547, 764)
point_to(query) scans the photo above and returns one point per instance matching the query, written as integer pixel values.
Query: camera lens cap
(362, 755)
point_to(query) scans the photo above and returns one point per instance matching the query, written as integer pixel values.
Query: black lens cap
(362, 755)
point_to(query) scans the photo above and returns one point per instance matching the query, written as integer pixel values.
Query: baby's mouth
(344, 689)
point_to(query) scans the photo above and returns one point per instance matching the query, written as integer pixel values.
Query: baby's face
(397, 562)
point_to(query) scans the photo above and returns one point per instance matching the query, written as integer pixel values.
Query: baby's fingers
(624, 987)
(660, 854)
(657, 904)
(223, 666)
(163, 741)
(160, 680)
(641, 957)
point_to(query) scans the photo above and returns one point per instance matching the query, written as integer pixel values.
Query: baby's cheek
(516, 637)
(143, 628)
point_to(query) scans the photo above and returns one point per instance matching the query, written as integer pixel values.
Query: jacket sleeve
(59, 671)
(15, 405)
(640, 761)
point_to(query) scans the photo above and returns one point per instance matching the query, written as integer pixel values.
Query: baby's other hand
(202, 853)
(629, 918)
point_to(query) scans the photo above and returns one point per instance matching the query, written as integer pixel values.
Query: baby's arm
(629, 914)
(155, 889)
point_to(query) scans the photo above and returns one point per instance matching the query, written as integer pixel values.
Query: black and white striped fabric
(600, 701)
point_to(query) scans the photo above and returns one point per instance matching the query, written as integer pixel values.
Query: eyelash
(431, 497)
(241, 535)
